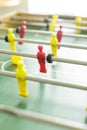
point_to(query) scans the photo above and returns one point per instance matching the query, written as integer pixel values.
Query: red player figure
(59, 34)
(41, 59)
(22, 30)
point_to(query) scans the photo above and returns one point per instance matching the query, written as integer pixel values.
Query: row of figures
(56, 38)
(21, 72)
(51, 25)
(21, 30)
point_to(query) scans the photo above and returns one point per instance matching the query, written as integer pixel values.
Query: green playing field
(58, 101)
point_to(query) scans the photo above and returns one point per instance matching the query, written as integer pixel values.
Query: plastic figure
(78, 23)
(54, 45)
(22, 29)
(59, 34)
(53, 23)
(54, 18)
(41, 59)
(21, 73)
(11, 40)
(52, 26)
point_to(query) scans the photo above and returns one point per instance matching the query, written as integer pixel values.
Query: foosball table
(43, 68)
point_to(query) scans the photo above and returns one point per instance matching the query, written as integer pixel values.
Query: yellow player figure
(54, 45)
(21, 74)
(11, 40)
(78, 23)
(54, 18)
(52, 26)
(53, 23)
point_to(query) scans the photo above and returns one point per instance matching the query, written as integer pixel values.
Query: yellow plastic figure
(78, 23)
(53, 23)
(54, 18)
(21, 74)
(11, 40)
(54, 45)
(52, 26)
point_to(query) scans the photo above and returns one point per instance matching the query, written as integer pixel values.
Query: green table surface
(46, 99)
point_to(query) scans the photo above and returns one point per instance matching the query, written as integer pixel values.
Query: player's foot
(43, 71)
(21, 43)
(24, 94)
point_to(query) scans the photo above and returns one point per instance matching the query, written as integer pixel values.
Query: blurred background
(13, 5)
(71, 7)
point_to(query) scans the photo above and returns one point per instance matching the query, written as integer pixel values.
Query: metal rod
(45, 80)
(70, 61)
(59, 20)
(29, 23)
(18, 53)
(44, 25)
(49, 33)
(51, 120)
(75, 27)
(47, 43)
(64, 60)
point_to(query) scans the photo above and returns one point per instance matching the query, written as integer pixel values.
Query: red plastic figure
(22, 30)
(59, 34)
(41, 59)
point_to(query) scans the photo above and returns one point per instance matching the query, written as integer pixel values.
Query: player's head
(40, 48)
(55, 16)
(60, 26)
(10, 30)
(24, 23)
